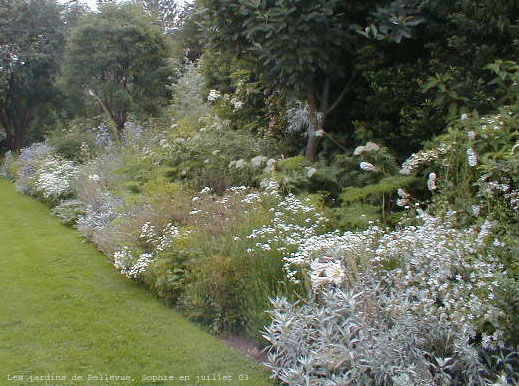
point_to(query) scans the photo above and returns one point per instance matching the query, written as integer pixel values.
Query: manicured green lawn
(64, 311)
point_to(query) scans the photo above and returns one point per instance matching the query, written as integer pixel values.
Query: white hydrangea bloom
(310, 172)
(214, 95)
(258, 161)
(367, 166)
(431, 182)
(472, 157)
(369, 146)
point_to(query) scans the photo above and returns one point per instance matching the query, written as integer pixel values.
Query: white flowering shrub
(424, 157)
(390, 306)
(28, 165)
(56, 177)
(473, 165)
(218, 157)
(474, 174)
(294, 221)
(100, 211)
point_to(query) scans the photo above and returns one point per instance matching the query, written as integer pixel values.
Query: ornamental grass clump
(242, 236)
(101, 206)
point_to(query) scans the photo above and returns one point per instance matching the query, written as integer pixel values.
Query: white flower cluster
(55, 177)
(513, 198)
(369, 146)
(206, 190)
(270, 186)
(236, 104)
(472, 157)
(293, 222)
(235, 195)
(148, 232)
(442, 272)
(497, 187)
(492, 123)
(271, 163)
(431, 182)
(422, 157)
(367, 166)
(238, 164)
(258, 161)
(132, 266)
(125, 262)
(169, 233)
(213, 96)
(158, 241)
(330, 248)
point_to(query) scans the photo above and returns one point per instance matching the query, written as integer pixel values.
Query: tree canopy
(304, 46)
(31, 40)
(119, 59)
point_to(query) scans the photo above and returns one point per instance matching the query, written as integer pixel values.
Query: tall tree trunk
(19, 138)
(15, 136)
(9, 130)
(316, 123)
(319, 109)
(16, 128)
(15, 116)
(10, 139)
(119, 118)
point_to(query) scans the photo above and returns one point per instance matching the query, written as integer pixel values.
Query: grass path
(64, 311)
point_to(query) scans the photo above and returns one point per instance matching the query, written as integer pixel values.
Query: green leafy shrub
(217, 157)
(74, 141)
(69, 211)
(472, 172)
(166, 275)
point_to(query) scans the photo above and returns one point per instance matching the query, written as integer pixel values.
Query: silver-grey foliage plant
(399, 307)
